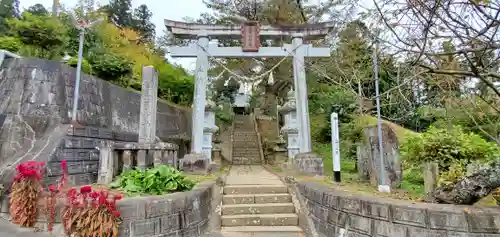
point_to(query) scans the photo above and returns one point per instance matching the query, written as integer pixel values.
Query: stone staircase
(246, 149)
(257, 204)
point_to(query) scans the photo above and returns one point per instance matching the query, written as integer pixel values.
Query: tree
(37, 10)
(8, 9)
(44, 33)
(425, 25)
(142, 23)
(120, 12)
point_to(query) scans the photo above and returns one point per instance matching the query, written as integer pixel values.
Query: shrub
(159, 180)
(25, 191)
(452, 149)
(110, 66)
(86, 67)
(11, 44)
(447, 147)
(91, 213)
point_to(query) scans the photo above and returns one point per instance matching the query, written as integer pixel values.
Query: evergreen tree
(142, 23)
(8, 9)
(120, 13)
(38, 10)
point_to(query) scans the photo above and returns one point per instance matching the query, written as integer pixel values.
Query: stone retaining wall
(180, 214)
(334, 212)
(36, 100)
(183, 214)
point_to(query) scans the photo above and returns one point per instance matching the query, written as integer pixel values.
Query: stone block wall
(336, 213)
(36, 99)
(183, 214)
(180, 214)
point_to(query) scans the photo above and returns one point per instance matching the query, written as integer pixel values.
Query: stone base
(309, 163)
(195, 163)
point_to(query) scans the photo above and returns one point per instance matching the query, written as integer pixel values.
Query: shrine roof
(185, 30)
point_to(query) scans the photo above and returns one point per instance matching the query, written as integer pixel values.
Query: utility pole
(81, 25)
(382, 187)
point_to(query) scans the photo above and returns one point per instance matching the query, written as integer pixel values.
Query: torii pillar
(202, 50)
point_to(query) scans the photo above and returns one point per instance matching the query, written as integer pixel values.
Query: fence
(118, 157)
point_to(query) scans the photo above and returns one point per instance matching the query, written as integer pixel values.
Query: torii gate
(252, 36)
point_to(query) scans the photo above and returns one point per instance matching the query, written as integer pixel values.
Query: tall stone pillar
(209, 129)
(147, 116)
(197, 160)
(290, 128)
(301, 93)
(199, 102)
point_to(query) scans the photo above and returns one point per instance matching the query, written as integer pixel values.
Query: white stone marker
(334, 121)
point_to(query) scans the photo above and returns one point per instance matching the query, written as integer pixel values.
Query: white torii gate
(202, 51)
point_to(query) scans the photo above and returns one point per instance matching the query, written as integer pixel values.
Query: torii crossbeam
(202, 50)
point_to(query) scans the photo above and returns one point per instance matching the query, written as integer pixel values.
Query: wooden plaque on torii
(250, 37)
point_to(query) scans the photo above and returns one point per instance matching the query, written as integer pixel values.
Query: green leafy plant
(86, 67)
(11, 44)
(447, 146)
(452, 149)
(454, 172)
(45, 33)
(110, 66)
(159, 180)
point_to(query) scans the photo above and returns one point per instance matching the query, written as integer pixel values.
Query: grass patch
(411, 188)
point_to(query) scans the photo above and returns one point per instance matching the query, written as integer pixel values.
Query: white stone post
(209, 129)
(199, 102)
(334, 122)
(301, 93)
(291, 126)
(147, 116)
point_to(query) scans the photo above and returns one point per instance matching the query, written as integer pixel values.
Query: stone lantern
(289, 110)
(209, 129)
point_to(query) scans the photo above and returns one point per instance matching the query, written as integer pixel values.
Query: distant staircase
(246, 150)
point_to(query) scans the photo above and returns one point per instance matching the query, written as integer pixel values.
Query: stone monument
(368, 154)
(147, 118)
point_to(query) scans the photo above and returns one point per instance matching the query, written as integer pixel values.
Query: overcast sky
(176, 10)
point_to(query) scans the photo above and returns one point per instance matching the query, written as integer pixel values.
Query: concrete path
(251, 175)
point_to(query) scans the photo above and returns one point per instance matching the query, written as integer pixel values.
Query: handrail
(259, 139)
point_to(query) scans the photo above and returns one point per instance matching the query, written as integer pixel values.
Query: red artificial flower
(53, 188)
(116, 213)
(64, 164)
(117, 197)
(86, 189)
(94, 195)
(29, 173)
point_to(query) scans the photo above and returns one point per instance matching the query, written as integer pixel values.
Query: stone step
(245, 153)
(288, 219)
(235, 162)
(245, 142)
(256, 198)
(260, 208)
(245, 138)
(243, 157)
(262, 231)
(255, 189)
(246, 156)
(245, 160)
